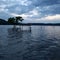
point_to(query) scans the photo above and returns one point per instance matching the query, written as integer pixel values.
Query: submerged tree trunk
(14, 26)
(30, 28)
(21, 27)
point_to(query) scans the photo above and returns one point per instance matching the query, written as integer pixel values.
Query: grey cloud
(54, 9)
(45, 7)
(44, 2)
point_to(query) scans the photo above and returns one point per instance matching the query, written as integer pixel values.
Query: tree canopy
(15, 19)
(11, 20)
(19, 18)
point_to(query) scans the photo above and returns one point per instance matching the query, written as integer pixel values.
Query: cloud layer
(31, 10)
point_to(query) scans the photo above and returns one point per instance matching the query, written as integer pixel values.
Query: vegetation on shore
(15, 20)
(11, 20)
(18, 21)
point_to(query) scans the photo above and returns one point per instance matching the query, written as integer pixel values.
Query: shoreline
(30, 24)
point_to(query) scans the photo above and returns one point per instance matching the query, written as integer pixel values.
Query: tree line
(15, 19)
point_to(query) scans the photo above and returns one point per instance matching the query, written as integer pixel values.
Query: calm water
(41, 43)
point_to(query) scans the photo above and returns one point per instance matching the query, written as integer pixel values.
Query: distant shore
(12, 22)
(29, 24)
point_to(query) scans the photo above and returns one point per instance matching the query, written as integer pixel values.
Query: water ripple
(41, 43)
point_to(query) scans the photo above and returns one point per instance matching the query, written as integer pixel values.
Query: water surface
(41, 43)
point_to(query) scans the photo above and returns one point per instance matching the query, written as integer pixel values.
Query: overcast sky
(31, 10)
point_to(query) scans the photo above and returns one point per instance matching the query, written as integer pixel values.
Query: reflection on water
(41, 43)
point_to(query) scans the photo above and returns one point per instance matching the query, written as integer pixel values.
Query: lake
(39, 43)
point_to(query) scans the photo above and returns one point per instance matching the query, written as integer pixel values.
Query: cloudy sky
(31, 10)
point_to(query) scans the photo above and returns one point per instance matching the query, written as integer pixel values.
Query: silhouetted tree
(11, 20)
(15, 19)
(19, 18)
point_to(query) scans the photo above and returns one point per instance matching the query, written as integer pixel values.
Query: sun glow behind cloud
(53, 17)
